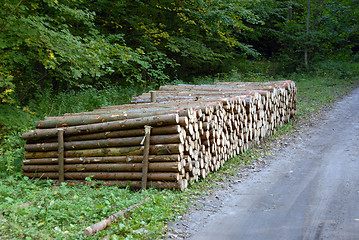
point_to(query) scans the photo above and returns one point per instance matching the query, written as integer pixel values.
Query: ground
(308, 188)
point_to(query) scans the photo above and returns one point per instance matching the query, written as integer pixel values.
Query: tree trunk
(160, 149)
(111, 142)
(307, 35)
(107, 167)
(114, 159)
(98, 227)
(161, 120)
(154, 176)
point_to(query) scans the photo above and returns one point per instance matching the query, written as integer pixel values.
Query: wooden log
(195, 95)
(165, 130)
(96, 117)
(212, 88)
(107, 167)
(146, 153)
(60, 157)
(161, 120)
(133, 109)
(98, 227)
(160, 149)
(112, 142)
(152, 176)
(114, 159)
(179, 107)
(153, 96)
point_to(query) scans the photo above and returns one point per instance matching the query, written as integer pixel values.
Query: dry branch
(97, 227)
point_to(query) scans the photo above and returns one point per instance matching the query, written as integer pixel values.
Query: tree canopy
(59, 44)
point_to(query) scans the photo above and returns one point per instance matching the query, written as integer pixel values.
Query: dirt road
(310, 190)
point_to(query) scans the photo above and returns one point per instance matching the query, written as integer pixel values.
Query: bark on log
(61, 154)
(146, 153)
(196, 95)
(160, 149)
(98, 227)
(96, 117)
(165, 130)
(152, 176)
(130, 109)
(161, 120)
(179, 107)
(115, 159)
(107, 167)
(112, 142)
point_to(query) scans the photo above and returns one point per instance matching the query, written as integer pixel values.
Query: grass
(62, 212)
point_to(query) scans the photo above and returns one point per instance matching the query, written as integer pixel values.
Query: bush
(47, 104)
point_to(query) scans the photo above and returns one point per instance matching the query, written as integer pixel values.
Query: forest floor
(306, 188)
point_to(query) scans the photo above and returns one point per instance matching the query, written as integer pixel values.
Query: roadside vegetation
(62, 212)
(61, 57)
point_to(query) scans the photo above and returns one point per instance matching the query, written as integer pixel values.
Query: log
(223, 88)
(165, 130)
(107, 167)
(152, 176)
(60, 157)
(98, 227)
(114, 159)
(179, 107)
(287, 84)
(153, 96)
(160, 149)
(195, 95)
(146, 153)
(112, 142)
(130, 110)
(161, 120)
(95, 117)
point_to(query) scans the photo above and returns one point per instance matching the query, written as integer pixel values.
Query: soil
(306, 188)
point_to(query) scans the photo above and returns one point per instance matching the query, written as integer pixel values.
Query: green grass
(62, 212)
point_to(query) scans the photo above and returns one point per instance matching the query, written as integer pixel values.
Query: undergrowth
(61, 212)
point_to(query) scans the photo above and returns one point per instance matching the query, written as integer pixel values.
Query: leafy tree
(76, 44)
(46, 43)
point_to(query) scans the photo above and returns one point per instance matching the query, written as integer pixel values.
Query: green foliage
(329, 81)
(47, 104)
(48, 44)
(65, 45)
(13, 121)
(11, 155)
(62, 212)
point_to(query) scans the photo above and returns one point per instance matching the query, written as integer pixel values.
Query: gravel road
(307, 190)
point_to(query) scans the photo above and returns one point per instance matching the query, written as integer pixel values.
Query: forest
(54, 46)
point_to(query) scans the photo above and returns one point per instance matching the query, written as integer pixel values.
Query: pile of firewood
(193, 130)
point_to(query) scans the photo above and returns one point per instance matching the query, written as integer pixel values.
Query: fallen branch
(98, 227)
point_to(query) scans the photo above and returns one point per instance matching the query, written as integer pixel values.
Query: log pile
(194, 130)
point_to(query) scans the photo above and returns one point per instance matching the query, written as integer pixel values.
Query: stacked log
(194, 130)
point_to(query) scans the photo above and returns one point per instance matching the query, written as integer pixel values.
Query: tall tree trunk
(290, 11)
(307, 36)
